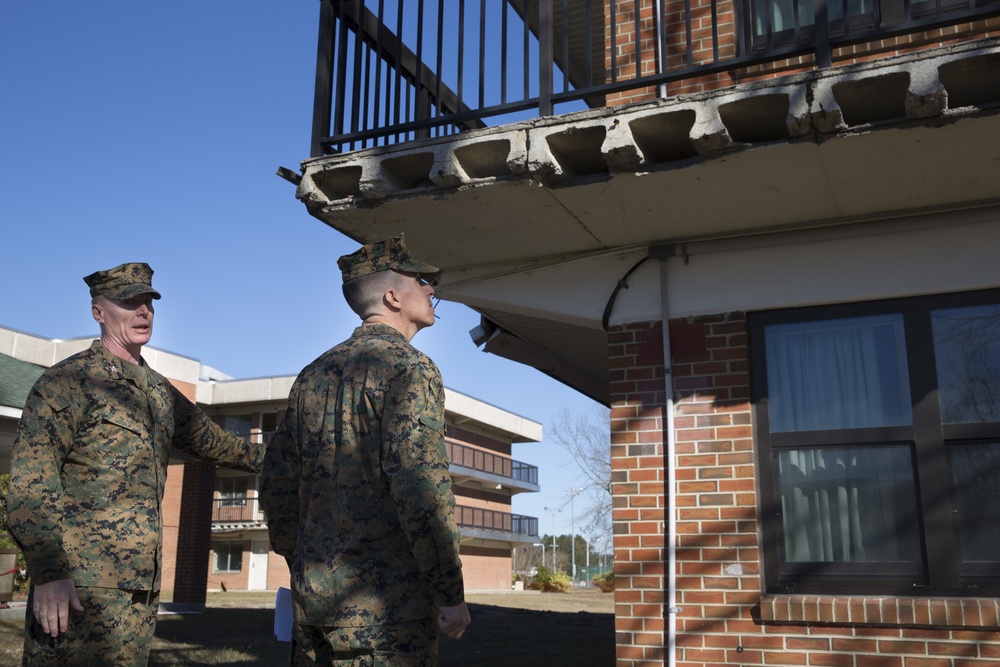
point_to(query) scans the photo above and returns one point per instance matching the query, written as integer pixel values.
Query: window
(879, 445)
(232, 491)
(785, 21)
(228, 556)
(238, 424)
(778, 23)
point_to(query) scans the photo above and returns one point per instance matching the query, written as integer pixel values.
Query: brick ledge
(881, 611)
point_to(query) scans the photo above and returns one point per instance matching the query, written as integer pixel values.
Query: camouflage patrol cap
(122, 282)
(390, 253)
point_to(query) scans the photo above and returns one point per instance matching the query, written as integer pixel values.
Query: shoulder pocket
(57, 402)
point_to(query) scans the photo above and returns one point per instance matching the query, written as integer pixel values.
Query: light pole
(542, 545)
(572, 528)
(553, 513)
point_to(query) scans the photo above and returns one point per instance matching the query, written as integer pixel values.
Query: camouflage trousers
(410, 644)
(115, 629)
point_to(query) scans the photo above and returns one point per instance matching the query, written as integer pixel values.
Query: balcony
(479, 468)
(391, 72)
(489, 525)
(238, 511)
(476, 523)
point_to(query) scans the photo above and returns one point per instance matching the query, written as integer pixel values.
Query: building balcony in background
(484, 524)
(475, 467)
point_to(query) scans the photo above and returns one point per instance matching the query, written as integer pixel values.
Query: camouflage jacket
(356, 487)
(88, 470)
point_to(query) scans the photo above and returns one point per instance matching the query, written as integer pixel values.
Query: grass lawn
(524, 630)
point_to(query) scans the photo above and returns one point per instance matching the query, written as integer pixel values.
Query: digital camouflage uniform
(87, 480)
(358, 497)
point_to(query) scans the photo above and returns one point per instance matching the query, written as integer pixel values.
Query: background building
(214, 532)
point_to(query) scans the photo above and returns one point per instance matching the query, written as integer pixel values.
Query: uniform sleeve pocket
(57, 402)
(432, 423)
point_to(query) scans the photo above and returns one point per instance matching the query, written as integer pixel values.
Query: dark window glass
(849, 504)
(967, 352)
(228, 556)
(976, 479)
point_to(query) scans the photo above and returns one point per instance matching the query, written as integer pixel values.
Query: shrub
(605, 582)
(550, 582)
(6, 542)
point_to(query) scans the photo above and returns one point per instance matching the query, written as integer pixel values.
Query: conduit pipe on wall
(671, 460)
(661, 89)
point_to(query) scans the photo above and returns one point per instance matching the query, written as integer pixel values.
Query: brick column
(717, 561)
(194, 536)
(638, 476)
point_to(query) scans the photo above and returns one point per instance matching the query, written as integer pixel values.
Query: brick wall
(635, 356)
(625, 61)
(724, 618)
(277, 572)
(486, 569)
(232, 581)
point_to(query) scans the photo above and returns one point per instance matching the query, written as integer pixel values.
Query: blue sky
(149, 131)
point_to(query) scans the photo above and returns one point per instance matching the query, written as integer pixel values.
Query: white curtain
(837, 374)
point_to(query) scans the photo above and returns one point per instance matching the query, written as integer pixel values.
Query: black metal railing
(236, 509)
(393, 71)
(497, 522)
(245, 509)
(482, 461)
(257, 437)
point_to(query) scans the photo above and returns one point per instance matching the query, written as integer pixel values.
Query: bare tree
(587, 438)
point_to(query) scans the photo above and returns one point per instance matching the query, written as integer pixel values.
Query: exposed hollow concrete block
(440, 164)
(567, 151)
(482, 157)
(620, 149)
(323, 183)
(493, 155)
(902, 88)
(972, 81)
(446, 171)
(709, 133)
(827, 116)
(926, 97)
(767, 113)
(663, 135)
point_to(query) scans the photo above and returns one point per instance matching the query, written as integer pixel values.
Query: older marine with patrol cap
(87, 480)
(355, 482)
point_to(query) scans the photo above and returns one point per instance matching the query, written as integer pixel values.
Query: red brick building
(770, 254)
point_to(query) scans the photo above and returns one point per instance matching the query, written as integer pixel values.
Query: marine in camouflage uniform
(87, 480)
(356, 488)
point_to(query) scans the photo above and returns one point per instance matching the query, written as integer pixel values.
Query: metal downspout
(661, 89)
(671, 460)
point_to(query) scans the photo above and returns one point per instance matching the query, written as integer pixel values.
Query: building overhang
(494, 539)
(470, 477)
(505, 211)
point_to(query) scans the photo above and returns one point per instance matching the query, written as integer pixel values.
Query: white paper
(283, 616)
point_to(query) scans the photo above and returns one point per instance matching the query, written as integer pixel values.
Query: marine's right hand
(454, 620)
(51, 605)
